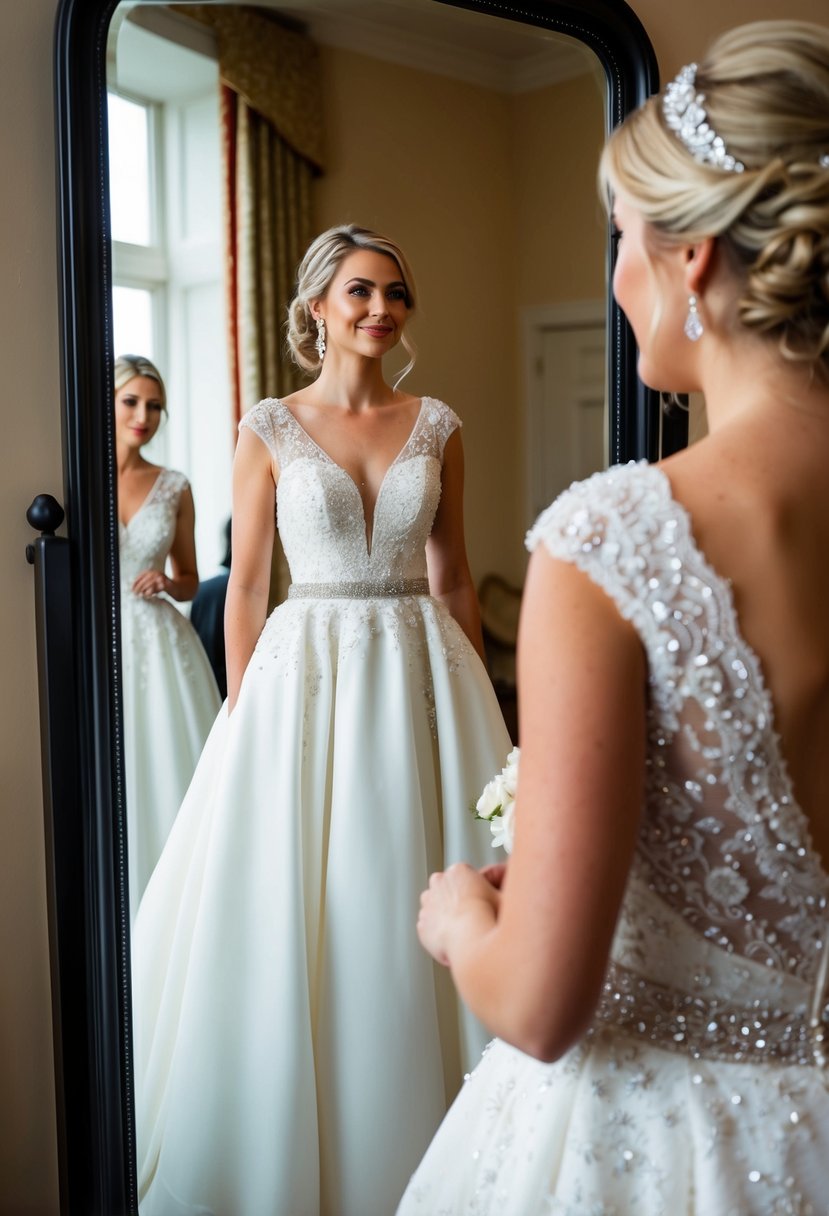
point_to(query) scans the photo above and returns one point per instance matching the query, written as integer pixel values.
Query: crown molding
(552, 63)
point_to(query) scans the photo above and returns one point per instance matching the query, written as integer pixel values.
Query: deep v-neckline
(754, 666)
(368, 537)
(144, 501)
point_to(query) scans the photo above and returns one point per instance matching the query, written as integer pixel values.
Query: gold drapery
(272, 146)
(273, 228)
(273, 68)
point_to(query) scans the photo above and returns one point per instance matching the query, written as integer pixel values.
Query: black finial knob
(45, 514)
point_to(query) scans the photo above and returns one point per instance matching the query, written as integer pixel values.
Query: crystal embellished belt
(707, 1028)
(363, 590)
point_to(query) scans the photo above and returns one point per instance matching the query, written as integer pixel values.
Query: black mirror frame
(88, 882)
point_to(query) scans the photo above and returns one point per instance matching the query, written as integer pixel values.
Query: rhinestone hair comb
(685, 114)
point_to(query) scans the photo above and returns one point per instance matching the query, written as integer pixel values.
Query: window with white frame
(168, 264)
(140, 267)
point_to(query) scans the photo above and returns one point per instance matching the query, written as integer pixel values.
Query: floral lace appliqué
(723, 842)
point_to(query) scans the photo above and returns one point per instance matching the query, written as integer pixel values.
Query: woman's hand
(150, 583)
(458, 900)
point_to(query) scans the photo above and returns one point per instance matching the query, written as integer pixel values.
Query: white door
(567, 428)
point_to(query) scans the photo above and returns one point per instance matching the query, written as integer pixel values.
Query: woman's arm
(252, 540)
(183, 584)
(529, 960)
(450, 579)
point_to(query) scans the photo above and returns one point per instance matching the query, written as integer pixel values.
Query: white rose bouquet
(496, 805)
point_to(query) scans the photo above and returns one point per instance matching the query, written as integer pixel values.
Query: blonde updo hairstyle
(766, 93)
(127, 367)
(317, 269)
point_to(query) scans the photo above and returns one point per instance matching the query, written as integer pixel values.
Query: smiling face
(366, 306)
(138, 410)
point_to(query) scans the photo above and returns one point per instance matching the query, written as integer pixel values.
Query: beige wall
(559, 223)
(32, 463)
(681, 32)
(29, 324)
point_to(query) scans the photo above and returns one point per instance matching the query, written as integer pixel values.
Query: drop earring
(693, 324)
(320, 343)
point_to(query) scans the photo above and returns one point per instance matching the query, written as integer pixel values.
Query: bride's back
(758, 497)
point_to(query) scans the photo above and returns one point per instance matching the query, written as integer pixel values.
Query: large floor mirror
(469, 132)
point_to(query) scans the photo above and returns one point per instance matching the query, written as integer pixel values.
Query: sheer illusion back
(724, 847)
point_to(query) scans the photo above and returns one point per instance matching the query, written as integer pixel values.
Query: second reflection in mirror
(170, 696)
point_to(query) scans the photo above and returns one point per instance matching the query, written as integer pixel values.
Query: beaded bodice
(146, 540)
(320, 512)
(726, 907)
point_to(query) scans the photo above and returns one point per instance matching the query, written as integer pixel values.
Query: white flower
(495, 796)
(497, 802)
(503, 828)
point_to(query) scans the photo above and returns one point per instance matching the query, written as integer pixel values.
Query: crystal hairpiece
(684, 113)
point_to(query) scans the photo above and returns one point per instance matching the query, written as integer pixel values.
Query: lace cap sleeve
(177, 482)
(619, 528)
(171, 485)
(442, 421)
(260, 420)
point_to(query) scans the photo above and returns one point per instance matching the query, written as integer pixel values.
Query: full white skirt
(618, 1128)
(170, 701)
(295, 1048)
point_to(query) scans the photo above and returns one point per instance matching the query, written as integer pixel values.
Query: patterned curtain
(269, 228)
(272, 146)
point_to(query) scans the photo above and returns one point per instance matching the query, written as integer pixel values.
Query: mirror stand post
(90, 941)
(63, 833)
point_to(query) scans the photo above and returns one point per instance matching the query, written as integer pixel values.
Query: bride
(170, 695)
(295, 1050)
(656, 960)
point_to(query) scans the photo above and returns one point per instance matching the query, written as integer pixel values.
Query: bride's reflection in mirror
(336, 778)
(170, 697)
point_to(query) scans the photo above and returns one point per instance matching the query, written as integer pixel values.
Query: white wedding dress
(295, 1047)
(701, 1088)
(170, 698)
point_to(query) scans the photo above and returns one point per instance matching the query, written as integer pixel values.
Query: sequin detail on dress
(323, 531)
(320, 511)
(144, 545)
(723, 844)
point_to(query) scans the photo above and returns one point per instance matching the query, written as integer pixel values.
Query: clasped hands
(458, 900)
